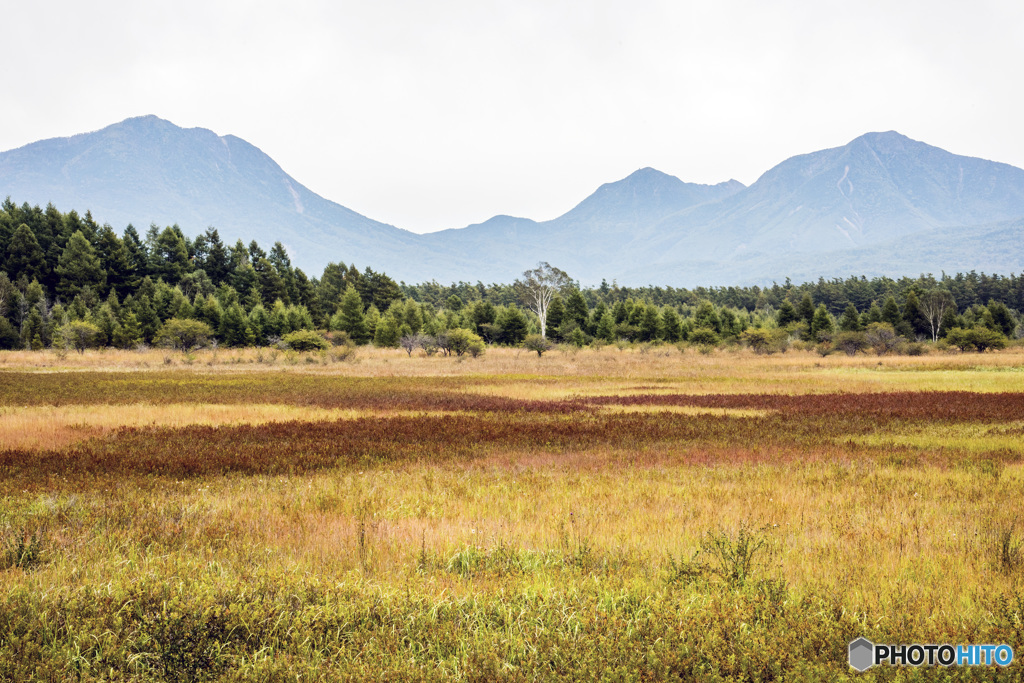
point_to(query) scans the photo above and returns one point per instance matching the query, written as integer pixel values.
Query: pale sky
(432, 115)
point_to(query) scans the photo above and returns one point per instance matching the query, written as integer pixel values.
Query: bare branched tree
(538, 287)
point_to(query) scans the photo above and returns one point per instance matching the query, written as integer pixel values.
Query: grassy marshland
(617, 515)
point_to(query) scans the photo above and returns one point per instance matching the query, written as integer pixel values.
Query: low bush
(535, 342)
(306, 340)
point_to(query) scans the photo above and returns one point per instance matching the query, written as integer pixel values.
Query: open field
(638, 514)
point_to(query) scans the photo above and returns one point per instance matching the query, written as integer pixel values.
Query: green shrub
(78, 335)
(183, 334)
(460, 342)
(850, 342)
(535, 342)
(978, 339)
(882, 338)
(704, 338)
(306, 340)
(763, 341)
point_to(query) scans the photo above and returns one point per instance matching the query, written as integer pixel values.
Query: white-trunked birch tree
(539, 286)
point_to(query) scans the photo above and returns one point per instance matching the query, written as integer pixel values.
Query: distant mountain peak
(647, 228)
(648, 173)
(889, 142)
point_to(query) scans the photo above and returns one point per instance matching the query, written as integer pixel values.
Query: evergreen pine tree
(211, 313)
(387, 332)
(24, 255)
(512, 325)
(805, 309)
(914, 316)
(650, 324)
(891, 312)
(128, 332)
(31, 328)
(307, 294)
(272, 286)
(850, 320)
(706, 318)
(729, 324)
(821, 323)
(283, 266)
(163, 301)
(556, 312)
(606, 327)
(1002, 318)
(106, 320)
(149, 321)
(299, 318)
(246, 282)
(78, 267)
(138, 258)
(670, 322)
(259, 324)
(787, 314)
(595, 317)
(278, 324)
(413, 316)
(217, 263)
(872, 315)
(576, 309)
(619, 312)
(113, 259)
(351, 318)
(372, 318)
(234, 326)
(169, 258)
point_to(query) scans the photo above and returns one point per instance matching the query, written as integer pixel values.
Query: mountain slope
(146, 170)
(590, 240)
(877, 187)
(881, 205)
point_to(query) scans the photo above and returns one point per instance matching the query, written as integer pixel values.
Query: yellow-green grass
(520, 375)
(585, 371)
(967, 438)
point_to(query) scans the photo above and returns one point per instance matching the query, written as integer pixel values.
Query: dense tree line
(968, 290)
(60, 269)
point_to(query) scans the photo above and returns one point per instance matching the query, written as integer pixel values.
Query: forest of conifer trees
(66, 280)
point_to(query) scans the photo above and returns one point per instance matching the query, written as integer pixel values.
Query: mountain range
(881, 205)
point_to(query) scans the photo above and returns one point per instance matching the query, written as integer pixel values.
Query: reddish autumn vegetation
(809, 424)
(356, 393)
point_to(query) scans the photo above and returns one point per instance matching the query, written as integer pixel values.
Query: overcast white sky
(432, 115)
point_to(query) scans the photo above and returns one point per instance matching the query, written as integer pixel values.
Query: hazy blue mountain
(587, 240)
(879, 187)
(881, 205)
(146, 170)
(825, 213)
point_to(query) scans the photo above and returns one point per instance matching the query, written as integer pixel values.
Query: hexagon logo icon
(862, 653)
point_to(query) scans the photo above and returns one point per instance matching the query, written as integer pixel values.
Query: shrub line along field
(615, 515)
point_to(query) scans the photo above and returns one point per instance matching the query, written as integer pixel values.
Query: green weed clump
(22, 549)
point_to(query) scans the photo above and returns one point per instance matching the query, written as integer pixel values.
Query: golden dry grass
(560, 374)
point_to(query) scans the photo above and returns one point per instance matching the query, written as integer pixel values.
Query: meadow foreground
(638, 514)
